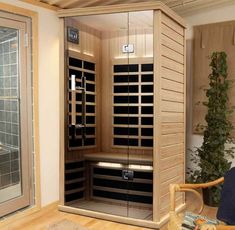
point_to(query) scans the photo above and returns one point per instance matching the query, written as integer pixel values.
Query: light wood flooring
(47, 216)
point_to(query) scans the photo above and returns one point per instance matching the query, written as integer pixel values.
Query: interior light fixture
(88, 53)
(108, 164)
(141, 167)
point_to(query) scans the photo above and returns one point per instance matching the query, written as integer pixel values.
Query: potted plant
(211, 159)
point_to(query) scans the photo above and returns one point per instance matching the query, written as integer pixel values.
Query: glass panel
(109, 82)
(97, 153)
(10, 149)
(140, 187)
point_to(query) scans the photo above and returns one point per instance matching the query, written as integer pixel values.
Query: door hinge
(26, 40)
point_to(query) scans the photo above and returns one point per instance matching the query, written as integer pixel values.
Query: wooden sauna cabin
(122, 112)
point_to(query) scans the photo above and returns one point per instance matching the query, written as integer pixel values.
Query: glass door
(109, 132)
(14, 115)
(96, 160)
(140, 120)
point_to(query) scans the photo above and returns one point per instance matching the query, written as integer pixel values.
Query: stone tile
(15, 177)
(5, 180)
(6, 70)
(7, 106)
(14, 82)
(15, 141)
(7, 92)
(14, 105)
(4, 157)
(8, 139)
(8, 127)
(2, 137)
(1, 70)
(14, 117)
(7, 82)
(2, 127)
(14, 69)
(8, 116)
(5, 168)
(1, 104)
(1, 82)
(2, 116)
(14, 129)
(14, 155)
(13, 57)
(1, 56)
(13, 45)
(14, 92)
(6, 47)
(15, 165)
(6, 59)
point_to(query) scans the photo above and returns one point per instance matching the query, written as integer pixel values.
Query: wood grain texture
(41, 4)
(112, 54)
(139, 6)
(88, 49)
(172, 136)
(179, 6)
(165, 47)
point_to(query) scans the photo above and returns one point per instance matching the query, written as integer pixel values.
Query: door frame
(32, 73)
(25, 127)
(23, 200)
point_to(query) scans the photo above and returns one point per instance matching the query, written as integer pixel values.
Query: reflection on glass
(10, 176)
(108, 162)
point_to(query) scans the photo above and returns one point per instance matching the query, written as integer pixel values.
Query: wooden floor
(44, 218)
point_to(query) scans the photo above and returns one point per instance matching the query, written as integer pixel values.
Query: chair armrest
(203, 185)
(191, 188)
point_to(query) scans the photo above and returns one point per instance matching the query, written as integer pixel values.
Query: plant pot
(209, 197)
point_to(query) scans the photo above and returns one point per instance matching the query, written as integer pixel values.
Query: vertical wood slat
(89, 38)
(157, 114)
(185, 110)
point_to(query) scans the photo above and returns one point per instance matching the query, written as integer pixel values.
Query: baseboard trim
(166, 218)
(109, 217)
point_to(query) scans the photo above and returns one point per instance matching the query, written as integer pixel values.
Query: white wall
(221, 14)
(48, 100)
(225, 13)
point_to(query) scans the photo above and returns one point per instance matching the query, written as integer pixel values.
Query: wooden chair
(176, 219)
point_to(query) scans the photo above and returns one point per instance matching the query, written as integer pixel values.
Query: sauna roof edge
(120, 9)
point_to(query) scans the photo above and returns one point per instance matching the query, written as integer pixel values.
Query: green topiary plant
(211, 158)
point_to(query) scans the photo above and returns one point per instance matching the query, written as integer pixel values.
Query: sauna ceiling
(112, 22)
(180, 6)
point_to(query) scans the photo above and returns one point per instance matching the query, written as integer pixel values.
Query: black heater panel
(109, 183)
(74, 186)
(83, 133)
(133, 105)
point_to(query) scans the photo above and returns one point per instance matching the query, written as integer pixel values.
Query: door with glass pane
(14, 115)
(140, 115)
(109, 131)
(96, 160)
